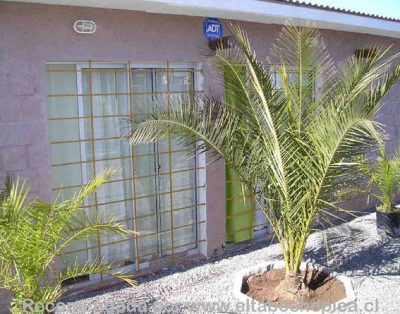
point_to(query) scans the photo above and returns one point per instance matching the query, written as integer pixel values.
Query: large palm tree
(291, 144)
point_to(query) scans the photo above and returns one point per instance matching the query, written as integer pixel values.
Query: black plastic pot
(388, 224)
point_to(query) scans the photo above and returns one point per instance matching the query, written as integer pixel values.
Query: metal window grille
(80, 149)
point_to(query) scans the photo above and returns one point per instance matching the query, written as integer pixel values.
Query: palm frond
(96, 267)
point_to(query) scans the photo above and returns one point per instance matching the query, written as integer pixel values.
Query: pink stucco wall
(31, 35)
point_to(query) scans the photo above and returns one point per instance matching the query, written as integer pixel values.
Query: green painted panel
(239, 209)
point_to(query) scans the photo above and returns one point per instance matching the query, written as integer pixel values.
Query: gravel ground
(353, 249)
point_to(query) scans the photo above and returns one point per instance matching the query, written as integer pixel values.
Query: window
(157, 189)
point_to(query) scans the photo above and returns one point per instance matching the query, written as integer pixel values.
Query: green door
(239, 206)
(239, 209)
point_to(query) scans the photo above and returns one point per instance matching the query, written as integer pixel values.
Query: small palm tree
(384, 180)
(291, 144)
(33, 236)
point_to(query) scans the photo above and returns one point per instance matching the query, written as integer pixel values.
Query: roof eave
(248, 10)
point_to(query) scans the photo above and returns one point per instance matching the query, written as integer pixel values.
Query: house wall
(32, 34)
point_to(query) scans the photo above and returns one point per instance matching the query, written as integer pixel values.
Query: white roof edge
(247, 10)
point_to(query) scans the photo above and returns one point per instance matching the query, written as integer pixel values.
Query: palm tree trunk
(294, 280)
(292, 283)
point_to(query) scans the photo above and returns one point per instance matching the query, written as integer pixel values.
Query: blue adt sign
(212, 28)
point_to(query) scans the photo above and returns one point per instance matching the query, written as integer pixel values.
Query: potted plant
(291, 143)
(383, 185)
(33, 235)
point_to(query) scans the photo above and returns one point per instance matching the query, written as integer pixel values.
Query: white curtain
(157, 207)
(114, 199)
(62, 80)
